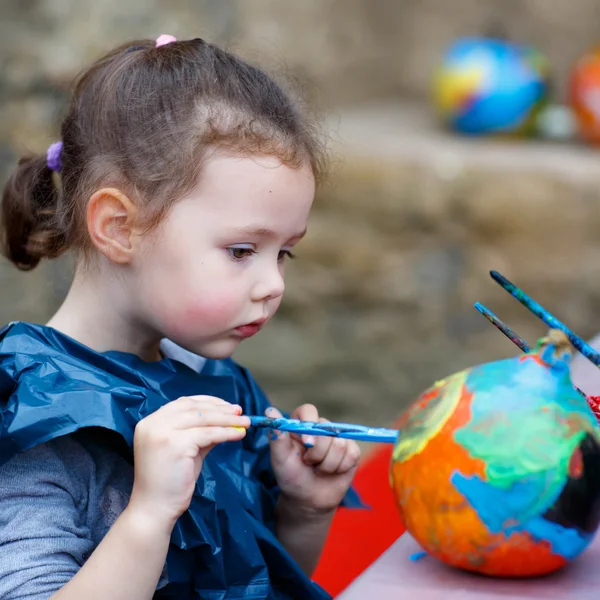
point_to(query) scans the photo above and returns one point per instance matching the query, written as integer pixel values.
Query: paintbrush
(503, 327)
(508, 332)
(550, 320)
(341, 430)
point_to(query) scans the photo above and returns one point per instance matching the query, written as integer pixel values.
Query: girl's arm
(47, 540)
(169, 447)
(302, 534)
(126, 565)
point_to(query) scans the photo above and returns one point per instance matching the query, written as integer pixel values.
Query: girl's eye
(285, 253)
(238, 253)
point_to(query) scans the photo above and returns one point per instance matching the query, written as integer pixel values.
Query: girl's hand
(314, 479)
(169, 447)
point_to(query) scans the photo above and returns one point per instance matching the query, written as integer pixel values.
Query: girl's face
(212, 273)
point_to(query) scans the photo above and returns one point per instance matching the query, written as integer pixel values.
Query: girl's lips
(251, 329)
(247, 331)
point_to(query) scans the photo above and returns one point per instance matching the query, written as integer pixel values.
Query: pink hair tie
(164, 39)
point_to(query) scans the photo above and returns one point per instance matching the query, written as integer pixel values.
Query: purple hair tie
(53, 157)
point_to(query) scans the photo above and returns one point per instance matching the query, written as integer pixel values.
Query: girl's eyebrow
(254, 231)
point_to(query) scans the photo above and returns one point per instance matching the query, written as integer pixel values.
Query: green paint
(538, 449)
(512, 452)
(526, 421)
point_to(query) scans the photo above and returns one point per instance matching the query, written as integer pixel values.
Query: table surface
(395, 576)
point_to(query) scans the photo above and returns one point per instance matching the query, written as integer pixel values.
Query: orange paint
(442, 520)
(576, 464)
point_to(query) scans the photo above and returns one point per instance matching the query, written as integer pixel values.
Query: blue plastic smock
(224, 546)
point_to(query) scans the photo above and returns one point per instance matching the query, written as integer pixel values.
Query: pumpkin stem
(555, 349)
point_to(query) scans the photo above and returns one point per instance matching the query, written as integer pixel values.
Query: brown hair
(143, 118)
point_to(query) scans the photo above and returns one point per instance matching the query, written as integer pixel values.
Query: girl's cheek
(211, 309)
(187, 316)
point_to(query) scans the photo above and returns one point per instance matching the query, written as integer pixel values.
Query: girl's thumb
(279, 441)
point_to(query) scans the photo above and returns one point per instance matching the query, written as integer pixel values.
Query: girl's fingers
(207, 437)
(218, 403)
(208, 418)
(333, 457)
(280, 442)
(275, 434)
(321, 447)
(351, 458)
(197, 403)
(307, 412)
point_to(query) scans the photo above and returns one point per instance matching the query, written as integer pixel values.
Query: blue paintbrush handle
(550, 320)
(342, 430)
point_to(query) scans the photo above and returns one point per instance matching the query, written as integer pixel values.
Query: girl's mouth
(250, 329)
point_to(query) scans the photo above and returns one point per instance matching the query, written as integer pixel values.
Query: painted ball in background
(497, 468)
(584, 95)
(487, 86)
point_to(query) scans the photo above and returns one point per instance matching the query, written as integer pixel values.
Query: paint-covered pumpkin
(497, 468)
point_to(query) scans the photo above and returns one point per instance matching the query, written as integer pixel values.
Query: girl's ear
(111, 218)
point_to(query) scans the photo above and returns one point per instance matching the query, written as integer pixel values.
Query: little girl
(184, 177)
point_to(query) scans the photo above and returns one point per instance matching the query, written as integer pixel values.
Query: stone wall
(344, 51)
(379, 303)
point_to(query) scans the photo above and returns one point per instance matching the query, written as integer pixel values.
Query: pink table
(395, 577)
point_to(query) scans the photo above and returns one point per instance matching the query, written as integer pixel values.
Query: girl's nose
(270, 286)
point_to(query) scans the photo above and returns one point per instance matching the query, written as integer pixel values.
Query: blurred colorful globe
(584, 95)
(487, 86)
